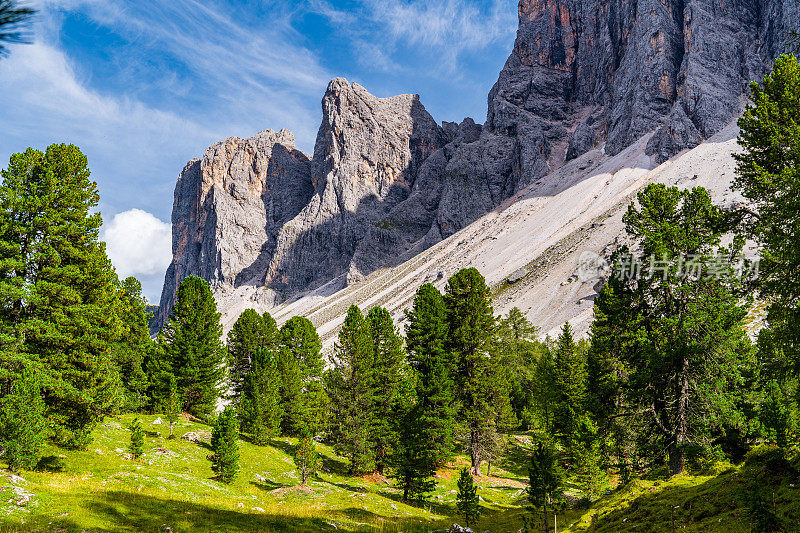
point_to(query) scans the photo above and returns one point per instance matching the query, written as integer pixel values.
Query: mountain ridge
(265, 224)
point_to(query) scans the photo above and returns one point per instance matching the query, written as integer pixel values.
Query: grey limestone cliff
(386, 181)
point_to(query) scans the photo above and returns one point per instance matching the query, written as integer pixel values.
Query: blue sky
(144, 86)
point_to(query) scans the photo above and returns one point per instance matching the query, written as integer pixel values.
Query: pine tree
(425, 343)
(225, 446)
(470, 334)
(467, 501)
(352, 391)
(570, 385)
(413, 461)
(544, 391)
(136, 446)
(683, 345)
(306, 458)
(133, 345)
(388, 369)
(249, 333)
(259, 407)
(301, 350)
(545, 479)
(22, 424)
(173, 405)
(58, 289)
(193, 351)
(768, 175)
(774, 414)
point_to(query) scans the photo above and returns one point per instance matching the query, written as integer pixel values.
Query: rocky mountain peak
(260, 220)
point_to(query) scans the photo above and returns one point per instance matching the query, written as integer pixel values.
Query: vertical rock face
(229, 207)
(387, 181)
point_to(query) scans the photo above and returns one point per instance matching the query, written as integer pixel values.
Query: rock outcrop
(386, 181)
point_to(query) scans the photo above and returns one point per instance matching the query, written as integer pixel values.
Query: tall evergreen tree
(470, 335)
(684, 345)
(426, 334)
(193, 349)
(249, 333)
(59, 311)
(352, 390)
(259, 407)
(133, 345)
(388, 366)
(23, 427)
(545, 479)
(305, 402)
(570, 384)
(225, 446)
(768, 175)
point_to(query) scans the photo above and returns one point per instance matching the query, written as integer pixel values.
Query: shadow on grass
(268, 485)
(51, 463)
(124, 511)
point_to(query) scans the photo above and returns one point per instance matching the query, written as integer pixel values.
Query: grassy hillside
(172, 488)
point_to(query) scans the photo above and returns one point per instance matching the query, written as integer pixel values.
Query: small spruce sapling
(467, 500)
(306, 458)
(225, 446)
(173, 407)
(136, 447)
(22, 424)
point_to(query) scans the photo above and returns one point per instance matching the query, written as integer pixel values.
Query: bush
(136, 447)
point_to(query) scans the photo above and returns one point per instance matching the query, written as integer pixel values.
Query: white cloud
(138, 244)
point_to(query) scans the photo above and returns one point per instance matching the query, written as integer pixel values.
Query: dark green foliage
(304, 399)
(425, 344)
(774, 414)
(467, 501)
(136, 446)
(249, 333)
(133, 346)
(519, 352)
(678, 337)
(767, 175)
(545, 479)
(470, 329)
(259, 407)
(305, 457)
(570, 385)
(225, 446)
(22, 424)
(59, 294)
(414, 462)
(388, 373)
(193, 351)
(352, 390)
(172, 408)
(13, 19)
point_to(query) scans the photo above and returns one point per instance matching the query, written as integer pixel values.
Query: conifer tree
(301, 347)
(133, 345)
(387, 349)
(570, 384)
(426, 334)
(684, 348)
(136, 446)
(352, 392)
(58, 289)
(413, 461)
(467, 501)
(259, 407)
(291, 393)
(545, 479)
(249, 333)
(22, 424)
(470, 333)
(544, 391)
(225, 446)
(193, 349)
(173, 405)
(306, 458)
